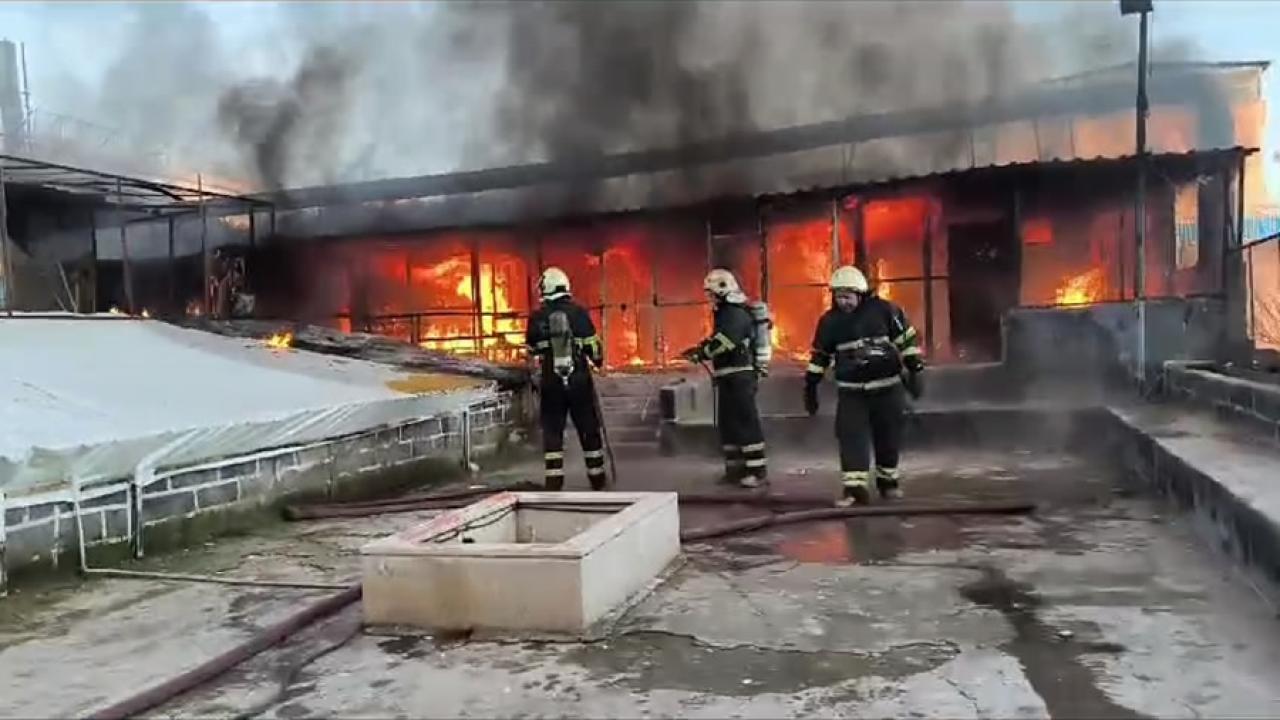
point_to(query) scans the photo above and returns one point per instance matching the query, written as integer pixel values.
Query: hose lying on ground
(164, 692)
(830, 513)
(157, 695)
(447, 501)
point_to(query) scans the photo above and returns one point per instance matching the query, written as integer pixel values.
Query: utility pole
(1142, 8)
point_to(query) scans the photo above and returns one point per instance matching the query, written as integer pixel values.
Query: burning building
(957, 213)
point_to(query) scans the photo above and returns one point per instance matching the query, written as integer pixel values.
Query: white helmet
(848, 277)
(722, 284)
(553, 284)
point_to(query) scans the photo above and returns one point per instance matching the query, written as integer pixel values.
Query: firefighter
(563, 338)
(735, 377)
(877, 356)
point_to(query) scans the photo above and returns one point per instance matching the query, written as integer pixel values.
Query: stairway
(629, 404)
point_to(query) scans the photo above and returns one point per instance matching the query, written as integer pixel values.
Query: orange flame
(1087, 287)
(884, 289)
(280, 341)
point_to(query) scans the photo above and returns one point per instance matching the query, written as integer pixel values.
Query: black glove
(915, 384)
(811, 398)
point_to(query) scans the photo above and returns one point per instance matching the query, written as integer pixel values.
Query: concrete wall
(1094, 347)
(183, 504)
(1252, 404)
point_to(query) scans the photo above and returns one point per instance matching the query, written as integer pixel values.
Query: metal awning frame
(121, 192)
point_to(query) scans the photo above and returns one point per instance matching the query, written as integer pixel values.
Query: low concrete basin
(521, 561)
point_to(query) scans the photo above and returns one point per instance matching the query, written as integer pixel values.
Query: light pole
(1142, 8)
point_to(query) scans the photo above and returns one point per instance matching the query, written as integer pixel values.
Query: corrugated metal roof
(902, 143)
(524, 205)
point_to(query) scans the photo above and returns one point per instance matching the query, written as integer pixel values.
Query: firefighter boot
(855, 489)
(887, 482)
(553, 479)
(756, 466)
(757, 477)
(734, 466)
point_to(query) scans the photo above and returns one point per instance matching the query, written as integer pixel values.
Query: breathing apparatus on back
(554, 285)
(722, 286)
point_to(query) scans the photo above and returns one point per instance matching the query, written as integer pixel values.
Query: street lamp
(1141, 8)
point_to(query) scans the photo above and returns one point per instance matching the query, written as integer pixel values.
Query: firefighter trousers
(560, 402)
(870, 421)
(741, 437)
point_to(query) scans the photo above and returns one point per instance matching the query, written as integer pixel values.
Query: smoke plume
(317, 93)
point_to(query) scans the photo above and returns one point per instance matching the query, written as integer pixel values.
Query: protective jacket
(729, 347)
(869, 346)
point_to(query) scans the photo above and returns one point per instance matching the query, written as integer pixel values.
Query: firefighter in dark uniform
(563, 338)
(877, 356)
(732, 361)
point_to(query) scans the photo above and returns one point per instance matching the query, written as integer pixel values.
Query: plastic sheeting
(89, 399)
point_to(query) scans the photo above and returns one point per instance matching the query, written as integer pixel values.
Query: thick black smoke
(299, 121)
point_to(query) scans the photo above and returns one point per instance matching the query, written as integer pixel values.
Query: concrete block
(115, 524)
(520, 561)
(315, 476)
(192, 479)
(15, 516)
(1240, 395)
(400, 452)
(161, 507)
(313, 456)
(1266, 403)
(215, 495)
(115, 498)
(238, 470)
(26, 544)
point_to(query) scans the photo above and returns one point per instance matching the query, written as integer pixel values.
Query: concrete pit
(1104, 603)
(472, 568)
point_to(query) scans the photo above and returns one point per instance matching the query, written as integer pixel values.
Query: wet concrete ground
(1100, 605)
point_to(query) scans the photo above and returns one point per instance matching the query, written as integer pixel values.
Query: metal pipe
(183, 577)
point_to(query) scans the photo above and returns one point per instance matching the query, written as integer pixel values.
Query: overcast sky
(70, 45)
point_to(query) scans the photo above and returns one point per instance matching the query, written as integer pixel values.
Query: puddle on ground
(1051, 664)
(655, 660)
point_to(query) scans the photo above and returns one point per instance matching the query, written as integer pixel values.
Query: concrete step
(632, 434)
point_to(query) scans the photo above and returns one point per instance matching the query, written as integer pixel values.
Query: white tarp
(92, 398)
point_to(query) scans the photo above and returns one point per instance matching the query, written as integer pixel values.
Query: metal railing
(1262, 289)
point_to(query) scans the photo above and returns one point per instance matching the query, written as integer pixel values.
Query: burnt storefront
(955, 250)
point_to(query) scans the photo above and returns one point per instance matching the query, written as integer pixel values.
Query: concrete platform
(521, 561)
(1103, 604)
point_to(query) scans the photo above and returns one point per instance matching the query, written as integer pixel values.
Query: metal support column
(764, 256)
(475, 294)
(124, 251)
(173, 271)
(9, 286)
(835, 234)
(927, 267)
(860, 238)
(204, 250)
(1140, 203)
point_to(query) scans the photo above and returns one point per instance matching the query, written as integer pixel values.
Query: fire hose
(162, 693)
